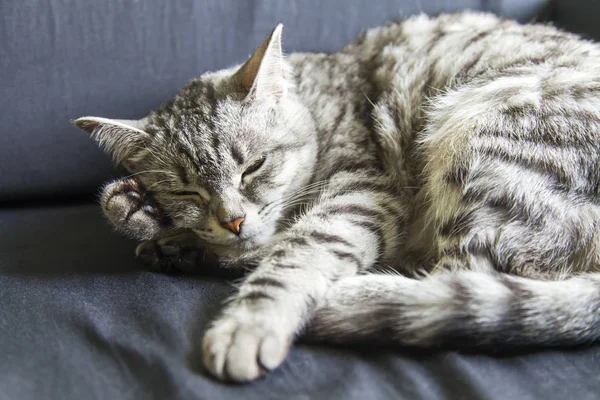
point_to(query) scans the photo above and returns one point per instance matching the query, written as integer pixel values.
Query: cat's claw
(243, 346)
(130, 211)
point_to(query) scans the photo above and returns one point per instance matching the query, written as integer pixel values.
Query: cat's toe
(169, 250)
(150, 255)
(130, 211)
(239, 350)
(182, 252)
(169, 255)
(146, 252)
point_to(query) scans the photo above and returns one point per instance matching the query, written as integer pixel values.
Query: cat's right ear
(266, 75)
(124, 140)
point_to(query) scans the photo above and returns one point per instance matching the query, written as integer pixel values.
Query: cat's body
(463, 146)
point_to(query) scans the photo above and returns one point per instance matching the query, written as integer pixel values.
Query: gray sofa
(79, 317)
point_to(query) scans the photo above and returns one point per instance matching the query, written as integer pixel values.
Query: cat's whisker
(157, 171)
(283, 204)
(157, 183)
(302, 192)
(300, 196)
(269, 218)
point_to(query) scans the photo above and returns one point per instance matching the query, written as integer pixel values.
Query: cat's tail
(460, 310)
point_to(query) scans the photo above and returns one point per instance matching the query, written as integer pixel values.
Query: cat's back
(451, 49)
(491, 116)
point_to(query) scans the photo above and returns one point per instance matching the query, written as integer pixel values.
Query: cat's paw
(130, 211)
(244, 345)
(175, 253)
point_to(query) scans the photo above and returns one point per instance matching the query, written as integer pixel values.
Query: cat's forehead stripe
(181, 173)
(237, 154)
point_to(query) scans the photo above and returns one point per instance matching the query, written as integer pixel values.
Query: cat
(434, 183)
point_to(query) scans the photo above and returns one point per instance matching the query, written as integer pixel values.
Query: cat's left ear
(124, 140)
(267, 74)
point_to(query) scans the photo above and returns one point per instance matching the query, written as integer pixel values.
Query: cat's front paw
(175, 253)
(184, 253)
(130, 210)
(244, 345)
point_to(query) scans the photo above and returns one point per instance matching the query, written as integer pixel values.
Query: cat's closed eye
(200, 194)
(255, 166)
(185, 193)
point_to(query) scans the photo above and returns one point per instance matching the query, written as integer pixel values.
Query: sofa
(80, 317)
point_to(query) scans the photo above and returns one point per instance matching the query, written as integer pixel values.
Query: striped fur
(462, 148)
(464, 309)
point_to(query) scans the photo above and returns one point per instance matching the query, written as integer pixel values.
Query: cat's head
(222, 156)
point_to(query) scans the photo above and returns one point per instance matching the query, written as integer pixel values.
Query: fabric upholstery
(79, 319)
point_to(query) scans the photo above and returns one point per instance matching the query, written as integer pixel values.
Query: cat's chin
(258, 237)
(254, 242)
(245, 243)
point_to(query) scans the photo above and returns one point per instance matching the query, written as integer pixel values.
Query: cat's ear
(123, 139)
(267, 74)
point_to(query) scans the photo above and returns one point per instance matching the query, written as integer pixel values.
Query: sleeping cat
(435, 182)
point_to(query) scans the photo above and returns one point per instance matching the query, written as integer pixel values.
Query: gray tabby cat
(460, 151)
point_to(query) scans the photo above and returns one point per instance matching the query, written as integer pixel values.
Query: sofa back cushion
(63, 59)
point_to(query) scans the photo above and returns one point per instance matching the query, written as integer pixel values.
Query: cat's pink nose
(234, 225)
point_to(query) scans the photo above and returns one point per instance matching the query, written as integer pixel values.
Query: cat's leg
(354, 224)
(461, 309)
